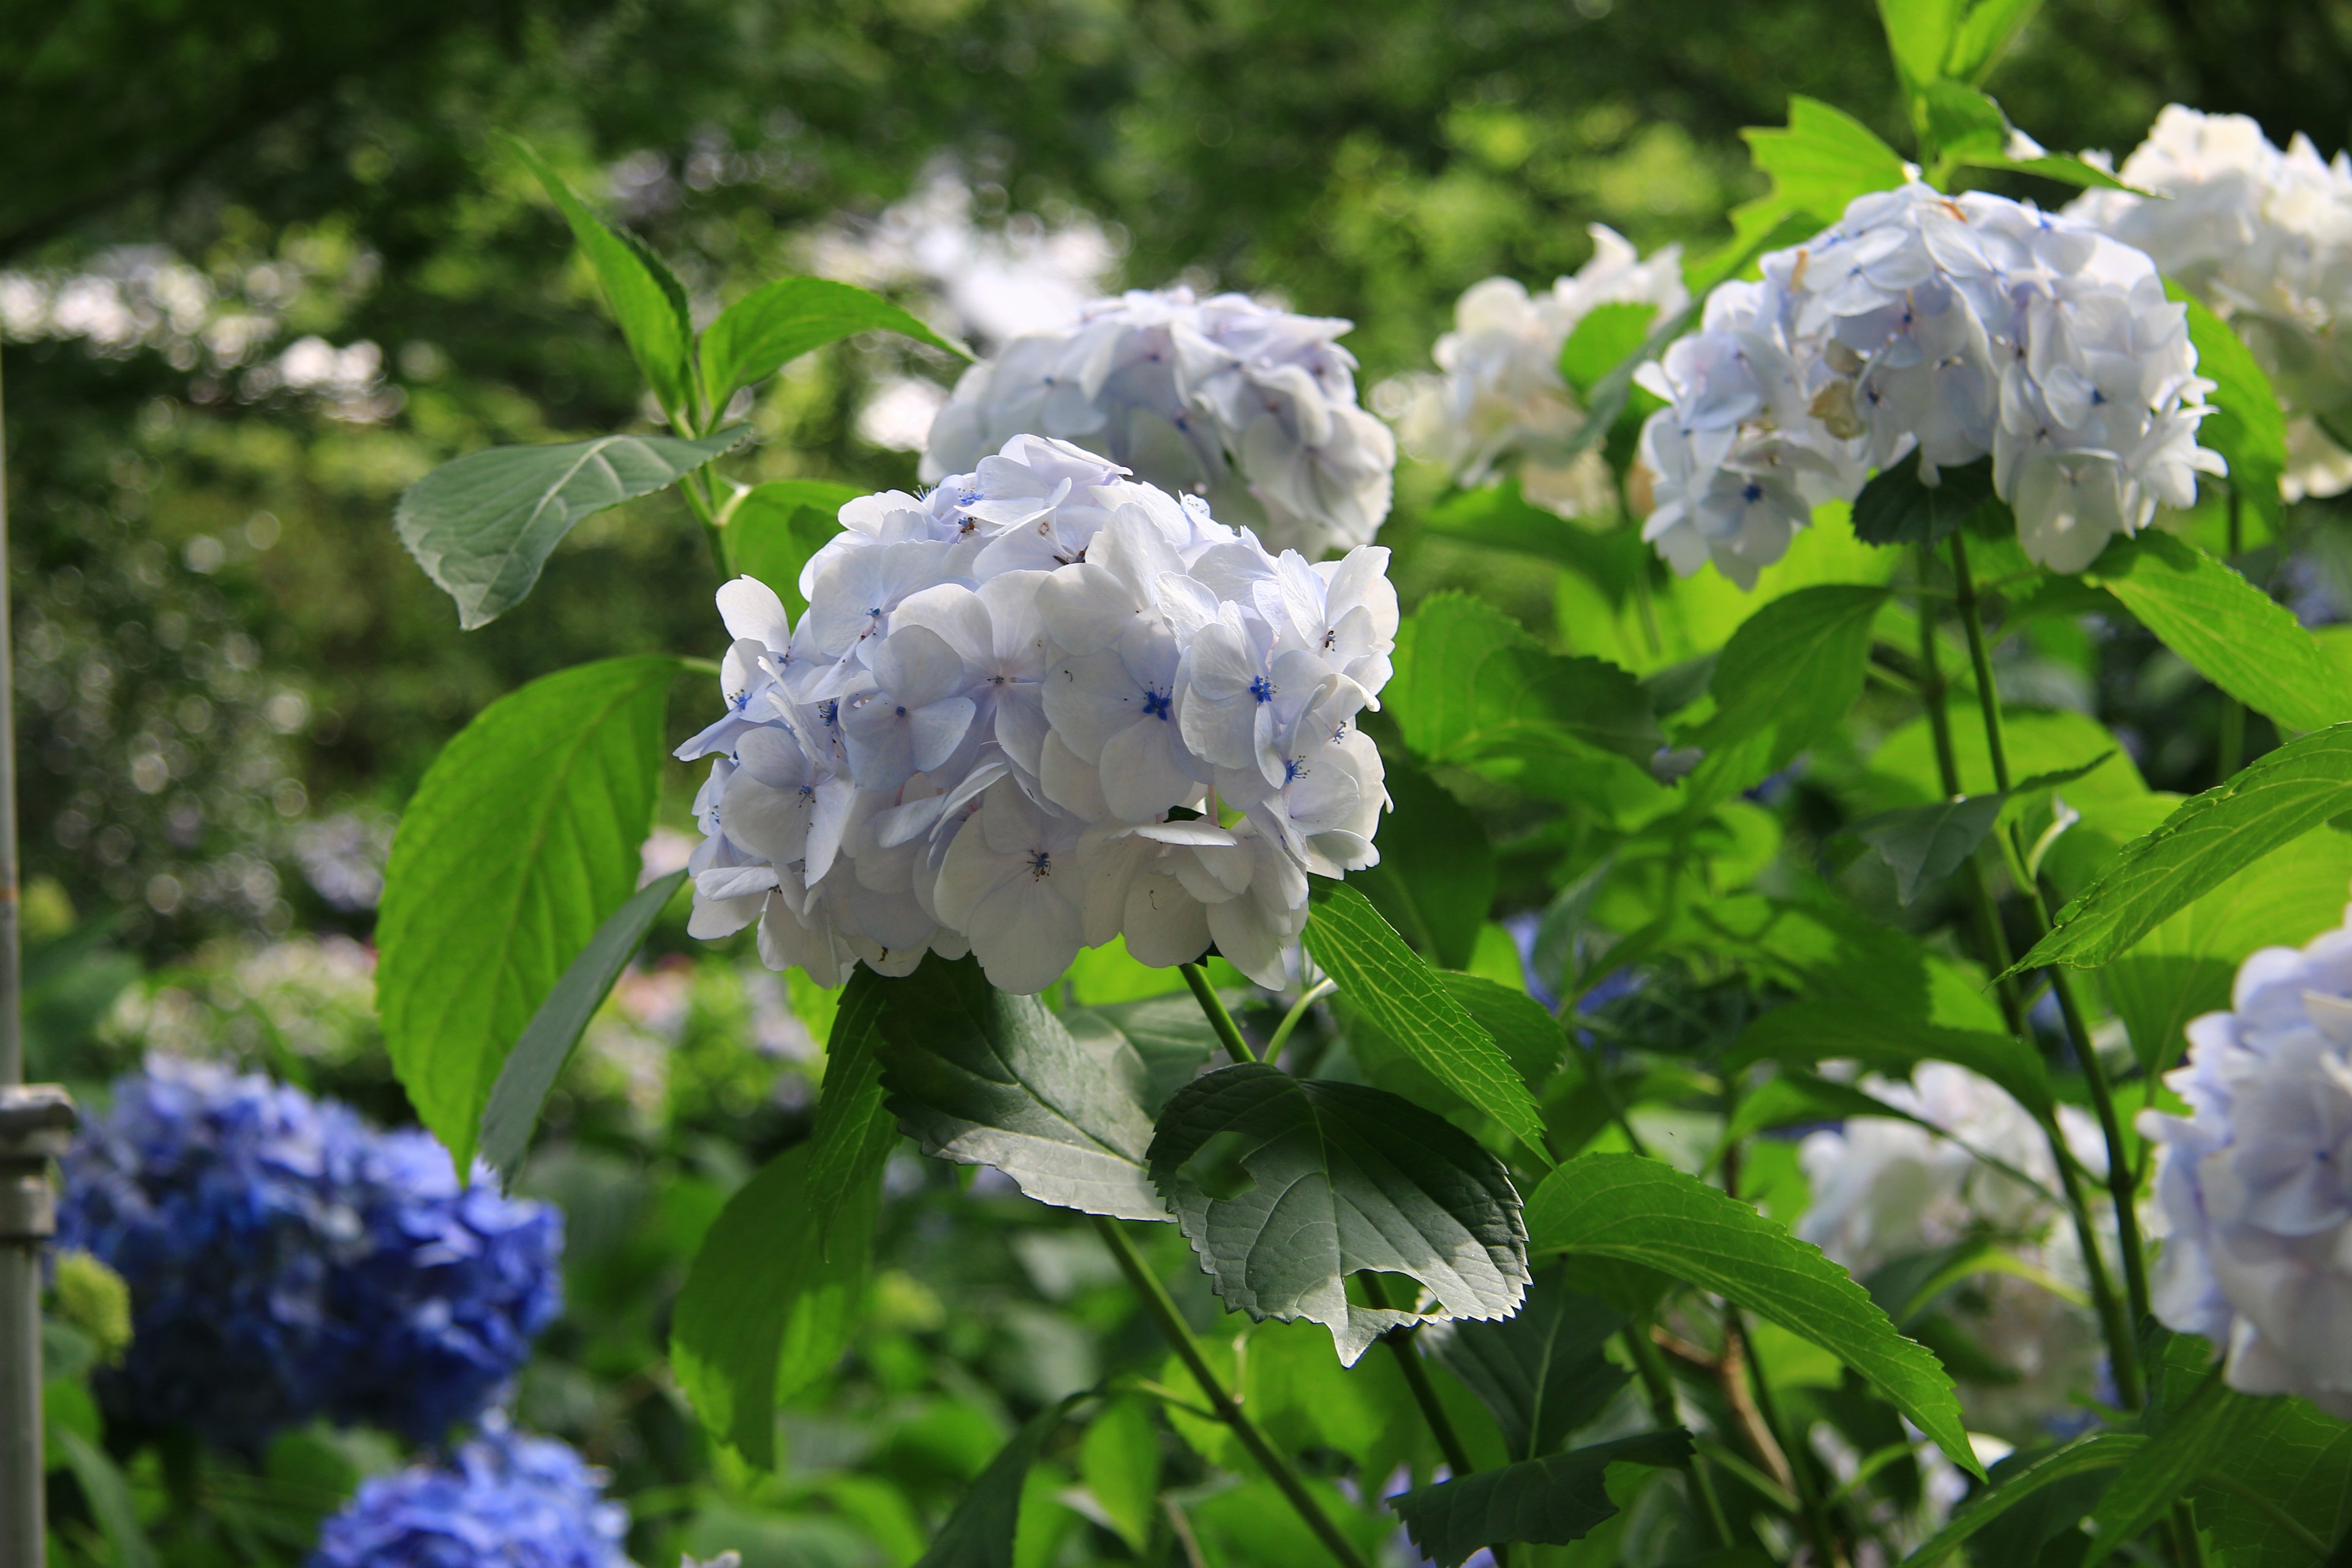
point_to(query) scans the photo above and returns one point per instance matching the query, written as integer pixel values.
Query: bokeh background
(265, 262)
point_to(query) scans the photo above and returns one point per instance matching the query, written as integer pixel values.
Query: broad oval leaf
(1541, 1373)
(771, 1300)
(2277, 799)
(1786, 678)
(2236, 635)
(1643, 1211)
(780, 322)
(1550, 1502)
(983, 1077)
(1406, 1001)
(773, 529)
(523, 838)
(649, 302)
(546, 1045)
(483, 525)
(1318, 1181)
(1895, 508)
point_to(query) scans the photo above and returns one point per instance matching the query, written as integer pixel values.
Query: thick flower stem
(1228, 1032)
(1651, 1370)
(1180, 1338)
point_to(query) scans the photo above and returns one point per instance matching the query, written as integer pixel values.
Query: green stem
(1800, 1470)
(2187, 1550)
(1656, 1383)
(1228, 1032)
(1307, 998)
(1403, 1344)
(1180, 1338)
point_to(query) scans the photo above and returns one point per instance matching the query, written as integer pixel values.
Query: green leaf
(2157, 1476)
(1541, 1373)
(1926, 844)
(109, 1496)
(2276, 800)
(1119, 1461)
(1318, 1181)
(1435, 879)
(1548, 1501)
(1406, 1001)
(1602, 341)
(522, 839)
(2247, 426)
(1786, 678)
(538, 1057)
(1643, 1211)
(1520, 1026)
(2062, 167)
(778, 322)
(980, 1532)
(773, 1296)
(647, 299)
(1895, 508)
(983, 1077)
(2236, 635)
(1958, 124)
(1168, 1032)
(1822, 160)
(1983, 34)
(1472, 689)
(1920, 36)
(1499, 517)
(774, 529)
(484, 525)
(2297, 1459)
(2099, 1451)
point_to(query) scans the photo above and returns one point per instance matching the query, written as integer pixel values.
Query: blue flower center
(1156, 704)
(1751, 492)
(1293, 770)
(1262, 688)
(1041, 864)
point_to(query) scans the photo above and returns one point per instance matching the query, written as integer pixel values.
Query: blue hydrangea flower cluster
(288, 1261)
(504, 1499)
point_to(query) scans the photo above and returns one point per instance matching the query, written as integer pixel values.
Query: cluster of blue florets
(288, 1261)
(505, 1498)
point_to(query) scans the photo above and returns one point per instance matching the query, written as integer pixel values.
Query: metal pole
(36, 1124)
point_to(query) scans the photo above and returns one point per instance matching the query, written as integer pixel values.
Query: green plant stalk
(1307, 999)
(2114, 1325)
(1416, 1378)
(1657, 1384)
(1801, 1470)
(1180, 1338)
(1228, 1032)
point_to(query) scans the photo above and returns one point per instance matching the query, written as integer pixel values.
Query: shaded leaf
(1520, 1026)
(1540, 1372)
(1318, 1181)
(1550, 1502)
(2160, 1473)
(522, 839)
(980, 1532)
(1926, 844)
(2247, 427)
(983, 1077)
(648, 300)
(1168, 1032)
(1643, 1211)
(1120, 1462)
(538, 1057)
(2100, 1451)
(774, 529)
(1983, 34)
(1435, 879)
(771, 1300)
(778, 322)
(2296, 1458)
(2236, 635)
(483, 526)
(111, 1500)
(1786, 678)
(2277, 799)
(1405, 1000)
(1895, 508)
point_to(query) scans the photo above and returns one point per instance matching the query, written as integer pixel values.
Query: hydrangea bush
(503, 1497)
(1777, 1200)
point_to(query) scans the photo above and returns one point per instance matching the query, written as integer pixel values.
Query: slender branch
(1228, 1032)
(1800, 1471)
(1180, 1338)
(1661, 1390)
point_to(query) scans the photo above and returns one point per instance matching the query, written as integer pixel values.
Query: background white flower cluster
(1253, 407)
(1958, 326)
(1502, 400)
(2254, 1187)
(1040, 706)
(2265, 237)
(1885, 1191)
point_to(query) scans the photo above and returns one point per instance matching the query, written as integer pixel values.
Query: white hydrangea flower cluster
(2265, 237)
(1502, 396)
(1039, 707)
(1885, 1190)
(2254, 1188)
(1251, 407)
(1960, 326)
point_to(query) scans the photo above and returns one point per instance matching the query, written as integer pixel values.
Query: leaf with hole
(523, 837)
(1642, 1211)
(1550, 1502)
(1286, 1187)
(778, 322)
(1406, 1001)
(773, 1296)
(484, 525)
(2276, 800)
(983, 1077)
(538, 1057)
